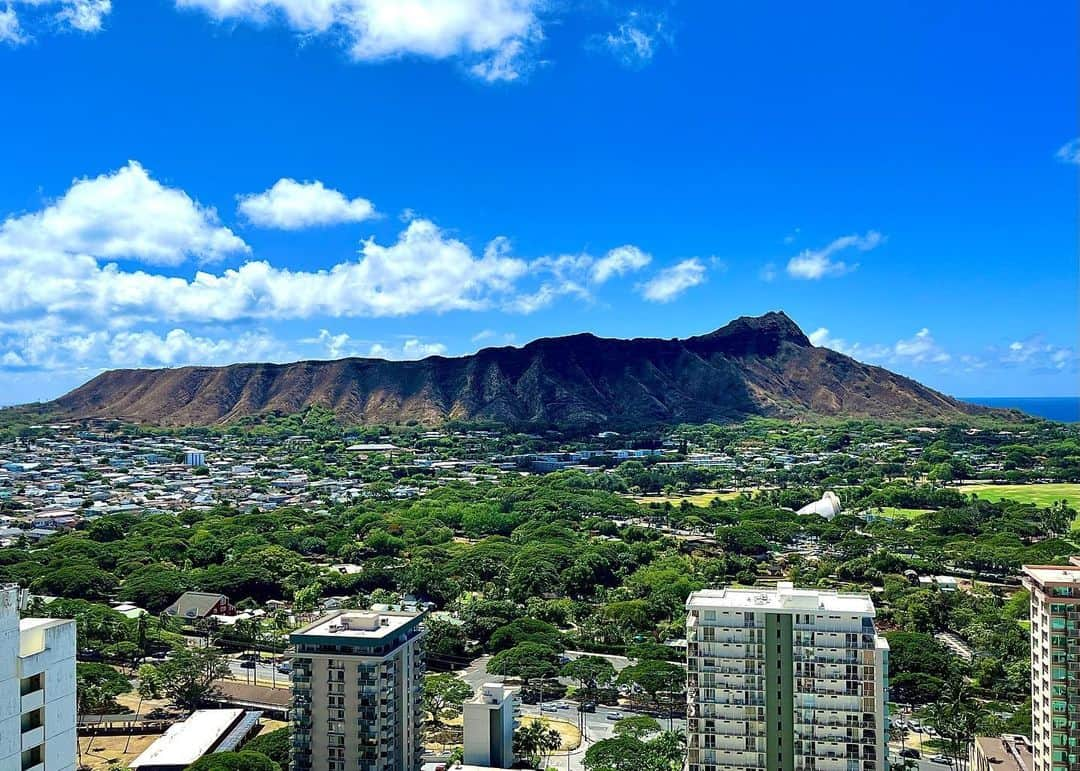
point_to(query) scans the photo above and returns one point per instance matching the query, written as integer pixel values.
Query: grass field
(697, 499)
(1040, 495)
(892, 512)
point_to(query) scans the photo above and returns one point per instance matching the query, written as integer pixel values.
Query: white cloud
(83, 15)
(508, 63)
(343, 345)
(1069, 152)
(10, 29)
(80, 15)
(53, 350)
(617, 262)
(337, 346)
(126, 214)
(920, 348)
(292, 205)
(671, 282)
(1033, 354)
(424, 270)
(484, 335)
(815, 264)
(492, 34)
(411, 349)
(1037, 354)
(634, 41)
(573, 274)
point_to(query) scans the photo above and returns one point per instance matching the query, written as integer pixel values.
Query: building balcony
(33, 737)
(32, 700)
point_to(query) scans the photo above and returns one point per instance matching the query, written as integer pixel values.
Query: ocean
(1063, 408)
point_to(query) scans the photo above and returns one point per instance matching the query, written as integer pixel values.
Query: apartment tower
(356, 684)
(785, 679)
(37, 690)
(1055, 666)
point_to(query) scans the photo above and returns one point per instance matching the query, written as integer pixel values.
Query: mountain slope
(753, 366)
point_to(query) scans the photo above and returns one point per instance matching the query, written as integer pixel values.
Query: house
(200, 605)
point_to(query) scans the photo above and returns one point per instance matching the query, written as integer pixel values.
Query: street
(264, 673)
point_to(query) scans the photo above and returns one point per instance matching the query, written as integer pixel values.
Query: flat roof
(1053, 574)
(358, 624)
(184, 743)
(785, 597)
(1003, 754)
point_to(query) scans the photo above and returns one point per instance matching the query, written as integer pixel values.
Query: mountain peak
(755, 335)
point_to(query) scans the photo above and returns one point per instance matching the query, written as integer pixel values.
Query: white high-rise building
(488, 727)
(356, 681)
(37, 690)
(785, 679)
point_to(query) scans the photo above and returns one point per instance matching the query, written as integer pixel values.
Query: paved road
(262, 674)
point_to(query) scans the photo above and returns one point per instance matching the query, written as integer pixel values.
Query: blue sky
(209, 181)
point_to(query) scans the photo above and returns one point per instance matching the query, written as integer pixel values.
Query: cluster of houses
(68, 476)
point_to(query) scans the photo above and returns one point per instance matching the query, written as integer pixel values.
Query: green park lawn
(894, 512)
(697, 499)
(1039, 494)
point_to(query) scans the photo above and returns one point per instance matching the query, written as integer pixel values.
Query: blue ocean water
(1063, 408)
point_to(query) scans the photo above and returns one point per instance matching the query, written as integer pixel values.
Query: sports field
(1041, 495)
(894, 512)
(697, 499)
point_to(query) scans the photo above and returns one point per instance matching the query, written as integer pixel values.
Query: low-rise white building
(37, 689)
(488, 727)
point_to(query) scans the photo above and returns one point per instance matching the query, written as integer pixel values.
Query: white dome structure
(828, 507)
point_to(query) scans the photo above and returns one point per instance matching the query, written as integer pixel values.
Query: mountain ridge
(763, 365)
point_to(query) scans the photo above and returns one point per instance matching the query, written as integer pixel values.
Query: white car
(614, 716)
(941, 759)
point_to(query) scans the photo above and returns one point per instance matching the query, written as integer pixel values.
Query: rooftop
(358, 624)
(1004, 754)
(1053, 574)
(785, 597)
(184, 743)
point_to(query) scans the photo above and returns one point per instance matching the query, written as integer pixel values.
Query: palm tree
(957, 716)
(534, 740)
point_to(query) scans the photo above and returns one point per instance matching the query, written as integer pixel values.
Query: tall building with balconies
(785, 679)
(356, 684)
(1055, 666)
(37, 690)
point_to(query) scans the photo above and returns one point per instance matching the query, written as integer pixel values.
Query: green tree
(188, 678)
(958, 717)
(528, 661)
(274, 745)
(443, 696)
(638, 726)
(534, 740)
(591, 672)
(245, 760)
(652, 677)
